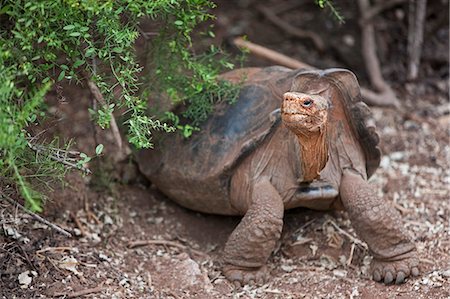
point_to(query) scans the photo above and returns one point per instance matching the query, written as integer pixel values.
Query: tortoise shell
(197, 169)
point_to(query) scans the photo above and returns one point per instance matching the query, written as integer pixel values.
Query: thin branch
(294, 31)
(348, 235)
(56, 157)
(416, 20)
(81, 292)
(271, 55)
(35, 216)
(100, 99)
(370, 97)
(369, 53)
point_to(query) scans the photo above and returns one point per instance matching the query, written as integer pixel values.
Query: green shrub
(45, 41)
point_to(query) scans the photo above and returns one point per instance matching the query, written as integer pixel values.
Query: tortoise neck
(313, 153)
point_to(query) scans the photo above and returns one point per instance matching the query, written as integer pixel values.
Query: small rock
(396, 156)
(446, 273)
(70, 263)
(313, 248)
(25, 279)
(104, 257)
(385, 162)
(183, 273)
(287, 268)
(340, 273)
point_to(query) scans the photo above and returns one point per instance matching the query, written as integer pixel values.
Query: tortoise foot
(395, 271)
(241, 276)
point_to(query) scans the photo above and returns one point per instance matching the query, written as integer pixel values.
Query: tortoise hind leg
(253, 240)
(379, 225)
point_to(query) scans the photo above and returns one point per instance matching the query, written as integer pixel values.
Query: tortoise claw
(400, 277)
(388, 278)
(394, 271)
(240, 276)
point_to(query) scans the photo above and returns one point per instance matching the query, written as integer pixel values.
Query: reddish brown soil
(319, 255)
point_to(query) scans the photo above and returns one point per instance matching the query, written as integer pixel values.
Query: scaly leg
(251, 243)
(380, 226)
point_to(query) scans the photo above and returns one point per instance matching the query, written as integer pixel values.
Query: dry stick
(369, 96)
(371, 59)
(78, 223)
(35, 216)
(80, 293)
(135, 244)
(39, 149)
(416, 19)
(353, 239)
(100, 99)
(288, 28)
(60, 248)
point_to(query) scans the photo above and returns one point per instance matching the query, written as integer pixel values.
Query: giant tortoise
(293, 138)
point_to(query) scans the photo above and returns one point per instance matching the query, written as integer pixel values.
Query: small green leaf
(90, 52)
(178, 22)
(99, 149)
(61, 75)
(75, 34)
(69, 27)
(78, 63)
(117, 50)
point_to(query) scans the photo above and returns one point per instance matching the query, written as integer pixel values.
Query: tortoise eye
(307, 103)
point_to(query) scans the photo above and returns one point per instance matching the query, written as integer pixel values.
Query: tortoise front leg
(380, 226)
(251, 243)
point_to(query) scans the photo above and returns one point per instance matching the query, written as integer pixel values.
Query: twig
(416, 19)
(27, 258)
(399, 207)
(135, 244)
(380, 7)
(35, 216)
(284, 293)
(288, 28)
(271, 55)
(369, 96)
(78, 223)
(370, 57)
(353, 239)
(100, 99)
(61, 248)
(350, 258)
(58, 158)
(81, 292)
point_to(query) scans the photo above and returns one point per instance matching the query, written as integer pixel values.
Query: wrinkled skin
(320, 157)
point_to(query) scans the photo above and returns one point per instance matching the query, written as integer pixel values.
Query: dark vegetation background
(319, 255)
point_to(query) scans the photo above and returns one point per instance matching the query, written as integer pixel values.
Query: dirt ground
(319, 255)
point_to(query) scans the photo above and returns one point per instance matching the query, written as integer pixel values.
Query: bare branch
(294, 31)
(34, 215)
(55, 155)
(271, 55)
(416, 19)
(369, 53)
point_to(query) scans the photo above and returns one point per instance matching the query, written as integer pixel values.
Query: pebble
(446, 273)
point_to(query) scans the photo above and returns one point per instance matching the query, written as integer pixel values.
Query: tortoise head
(304, 114)
(304, 111)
